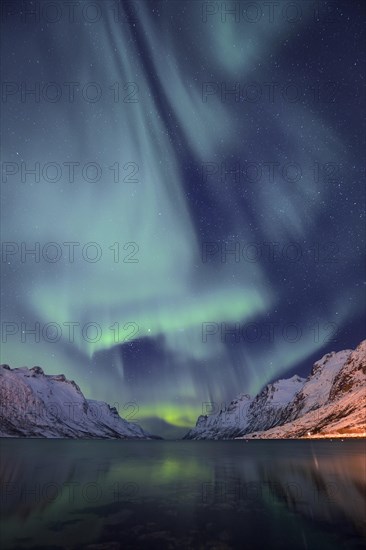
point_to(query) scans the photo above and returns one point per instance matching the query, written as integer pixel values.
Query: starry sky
(214, 161)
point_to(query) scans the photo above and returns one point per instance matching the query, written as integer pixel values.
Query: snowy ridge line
(331, 400)
(34, 404)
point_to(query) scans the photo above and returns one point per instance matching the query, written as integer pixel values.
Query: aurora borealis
(214, 161)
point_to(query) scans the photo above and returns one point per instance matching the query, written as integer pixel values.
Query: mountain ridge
(331, 400)
(35, 404)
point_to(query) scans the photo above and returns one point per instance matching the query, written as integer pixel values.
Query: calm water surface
(184, 494)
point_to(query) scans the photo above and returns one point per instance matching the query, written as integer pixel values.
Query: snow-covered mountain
(245, 414)
(352, 376)
(34, 404)
(331, 401)
(315, 391)
(227, 423)
(269, 407)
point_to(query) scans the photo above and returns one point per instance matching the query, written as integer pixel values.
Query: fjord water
(184, 494)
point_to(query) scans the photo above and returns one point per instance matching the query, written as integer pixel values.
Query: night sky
(170, 134)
